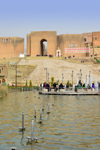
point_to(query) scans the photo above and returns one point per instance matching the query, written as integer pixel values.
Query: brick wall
(11, 47)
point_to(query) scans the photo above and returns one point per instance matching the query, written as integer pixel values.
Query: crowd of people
(68, 85)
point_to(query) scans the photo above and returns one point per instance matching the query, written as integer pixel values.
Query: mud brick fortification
(67, 45)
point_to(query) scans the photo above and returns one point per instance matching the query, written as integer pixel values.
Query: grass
(23, 88)
(98, 61)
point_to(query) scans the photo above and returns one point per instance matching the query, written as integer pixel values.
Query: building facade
(35, 42)
(3, 72)
(11, 47)
(43, 43)
(69, 45)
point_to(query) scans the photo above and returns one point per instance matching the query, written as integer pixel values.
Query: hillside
(57, 67)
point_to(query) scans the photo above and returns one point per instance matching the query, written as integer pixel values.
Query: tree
(30, 83)
(68, 83)
(52, 81)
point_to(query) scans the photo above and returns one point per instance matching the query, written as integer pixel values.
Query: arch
(43, 47)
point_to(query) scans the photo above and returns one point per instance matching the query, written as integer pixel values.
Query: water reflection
(74, 121)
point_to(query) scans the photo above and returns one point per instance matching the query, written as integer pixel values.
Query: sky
(19, 17)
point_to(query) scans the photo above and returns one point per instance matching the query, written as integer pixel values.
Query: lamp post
(80, 74)
(89, 76)
(14, 65)
(62, 77)
(46, 74)
(16, 77)
(72, 77)
(86, 79)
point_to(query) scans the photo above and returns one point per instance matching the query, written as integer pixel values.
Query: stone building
(11, 47)
(43, 43)
(3, 72)
(35, 42)
(70, 45)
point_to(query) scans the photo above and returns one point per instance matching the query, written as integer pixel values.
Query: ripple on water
(73, 122)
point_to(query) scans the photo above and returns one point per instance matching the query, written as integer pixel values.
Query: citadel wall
(70, 45)
(11, 47)
(71, 42)
(35, 39)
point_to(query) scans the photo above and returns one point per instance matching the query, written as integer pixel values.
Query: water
(73, 122)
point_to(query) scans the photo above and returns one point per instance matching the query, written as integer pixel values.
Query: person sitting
(44, 85)
(80, 83)
(84, 86)
(93, 86)
(61, 86)
(54, 86)
(88, 86)
(48, 86)
(67, 85)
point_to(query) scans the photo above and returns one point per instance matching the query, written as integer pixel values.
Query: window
(76, 44)
(95, 38)
(69, 45)
(84, 39)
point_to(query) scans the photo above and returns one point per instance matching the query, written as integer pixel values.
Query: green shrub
(52, 81)
(68, 83)
(96, 60)
(30, 83)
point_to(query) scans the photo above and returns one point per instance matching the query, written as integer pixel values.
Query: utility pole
(89, 76)
(16, 77)
(72, 77)
(80, 74)
(46, 74)
(62, 78)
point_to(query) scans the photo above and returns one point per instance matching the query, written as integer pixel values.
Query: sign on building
(77, 50)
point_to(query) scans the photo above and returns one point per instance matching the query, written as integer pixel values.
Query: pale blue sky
(20, 17)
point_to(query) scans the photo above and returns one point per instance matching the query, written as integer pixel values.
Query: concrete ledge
(45, 90)
(52, 90)
(62, 90)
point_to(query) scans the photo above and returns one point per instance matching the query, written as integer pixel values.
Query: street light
(62, 77)
(89, 76)
(80, 74)
(46, 74)
(16, 77)
(72, 77)
(86, 79)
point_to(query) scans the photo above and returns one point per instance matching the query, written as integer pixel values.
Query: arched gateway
(43, 47)
(36, 46)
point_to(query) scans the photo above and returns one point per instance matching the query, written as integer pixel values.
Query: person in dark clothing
(80, 82)
(48, 86)
(54, 86)
(61, 86)
(67, 86)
